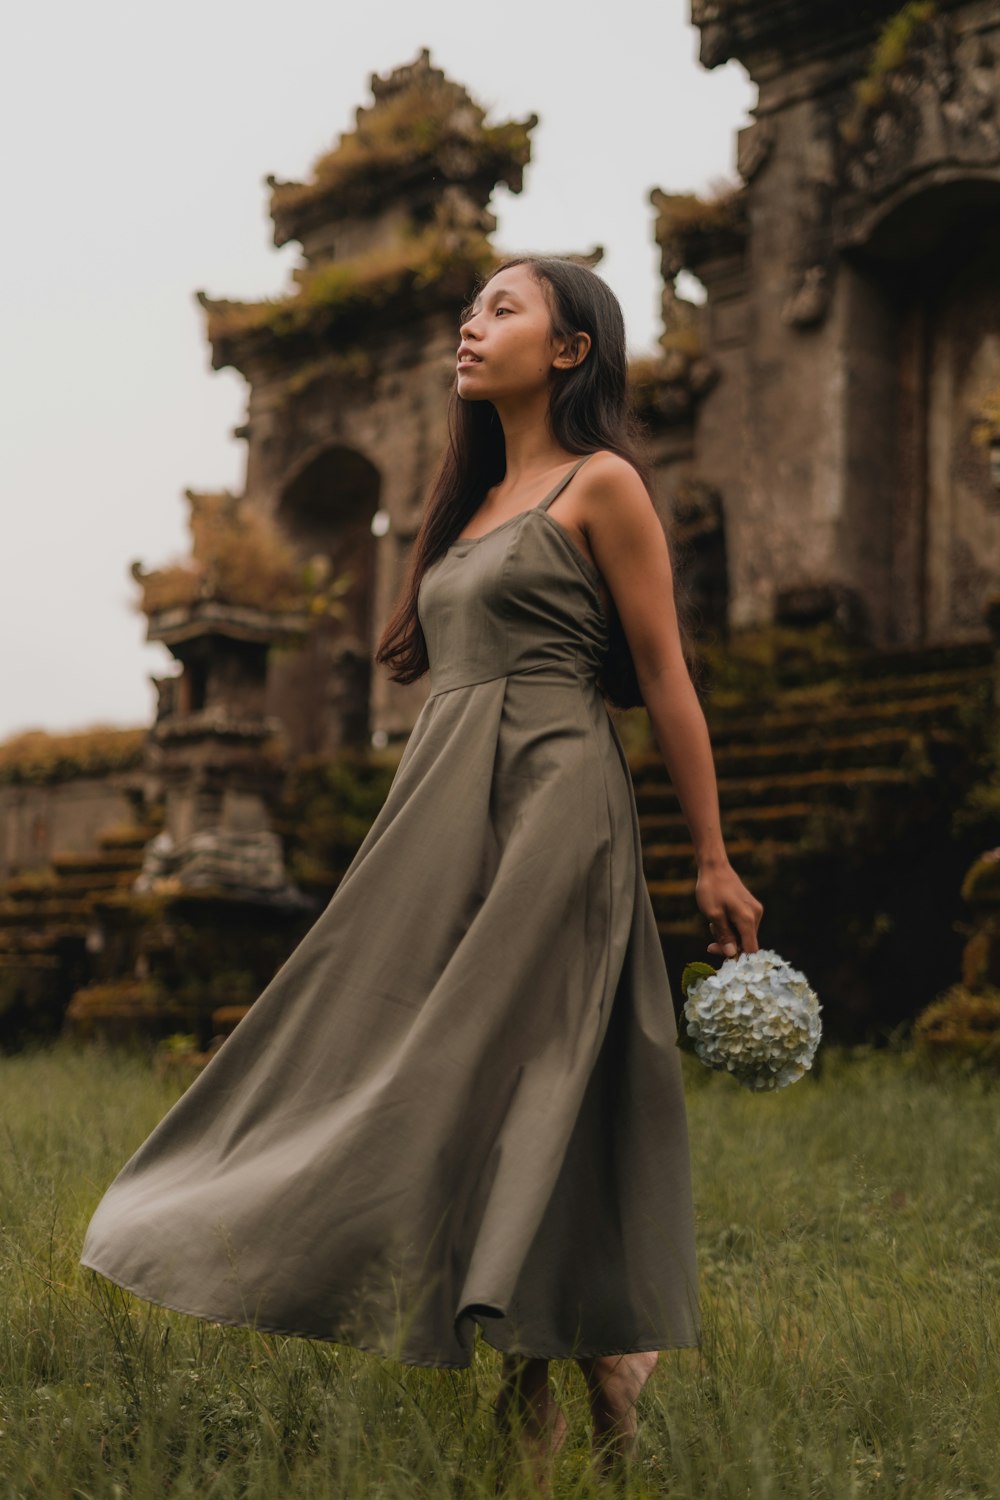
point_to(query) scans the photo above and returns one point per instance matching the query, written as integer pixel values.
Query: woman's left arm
(630, 549)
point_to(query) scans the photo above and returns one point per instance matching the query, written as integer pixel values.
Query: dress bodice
(521, 598)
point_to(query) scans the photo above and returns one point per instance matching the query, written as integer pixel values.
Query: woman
(458, 1103)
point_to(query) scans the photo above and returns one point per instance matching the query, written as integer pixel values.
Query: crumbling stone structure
(852, 318)
(349, 372)
(214, 757)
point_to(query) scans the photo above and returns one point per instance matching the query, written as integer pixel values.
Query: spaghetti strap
(564, 481)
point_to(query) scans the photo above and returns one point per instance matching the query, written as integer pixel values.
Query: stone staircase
(818, 762)
(822, 748)
(45, 922)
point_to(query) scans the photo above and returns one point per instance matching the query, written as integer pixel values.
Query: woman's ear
(572, 352)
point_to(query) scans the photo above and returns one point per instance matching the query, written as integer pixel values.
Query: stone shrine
(348, 375)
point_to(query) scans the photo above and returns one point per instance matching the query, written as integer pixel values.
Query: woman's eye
(503, 309)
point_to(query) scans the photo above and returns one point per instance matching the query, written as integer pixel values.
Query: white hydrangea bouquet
(755, 1017)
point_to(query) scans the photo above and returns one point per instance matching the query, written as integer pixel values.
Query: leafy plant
(961, 1027)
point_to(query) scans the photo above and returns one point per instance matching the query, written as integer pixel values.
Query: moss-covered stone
(428, 123)
(890, 56)
(687, 225)
(757, 660)
(38, 757)
(238, 556)
(328, 806)
(340, 298)
(135, 1004)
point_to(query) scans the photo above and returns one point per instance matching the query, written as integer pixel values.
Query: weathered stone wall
(61, 818)
(856, 355)
(393, 417)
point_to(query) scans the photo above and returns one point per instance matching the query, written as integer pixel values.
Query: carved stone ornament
(809, 303)
(940, 109)
(812, 259)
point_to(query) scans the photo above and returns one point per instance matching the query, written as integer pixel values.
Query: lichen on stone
(341, 295)
(890, 57)
(686, 223)
(420, 120)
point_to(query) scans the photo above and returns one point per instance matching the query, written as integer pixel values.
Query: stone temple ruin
(347, 376)
(825, 434)
(853, 315)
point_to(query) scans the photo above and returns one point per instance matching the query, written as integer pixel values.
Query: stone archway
(321, 691)
(926, 334)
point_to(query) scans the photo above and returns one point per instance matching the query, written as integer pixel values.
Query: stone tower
(349, 372)
(852, 316)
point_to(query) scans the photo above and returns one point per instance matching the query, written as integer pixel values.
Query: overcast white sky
(135, 144)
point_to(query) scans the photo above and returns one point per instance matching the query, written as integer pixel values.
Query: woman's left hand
(732, 911)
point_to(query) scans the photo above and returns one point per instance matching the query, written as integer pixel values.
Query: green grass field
(849, 1231)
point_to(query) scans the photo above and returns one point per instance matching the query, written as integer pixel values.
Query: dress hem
(425, 1362)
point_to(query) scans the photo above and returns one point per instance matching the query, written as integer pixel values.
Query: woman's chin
(468, 390)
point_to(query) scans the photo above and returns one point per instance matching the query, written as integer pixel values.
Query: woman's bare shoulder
(602, 463)
(611, 485)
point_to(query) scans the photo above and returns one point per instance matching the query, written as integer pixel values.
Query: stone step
(840, 718)
(125, 837)
(683, 929)
(837, 787)
(873, 750)
(97, 862)
(848, 689)
(782, 820)
(17, 943)
(26, 894)
(679, 889)
(795, 668)
(29, 957)
(913, 662)
(59, 910)
(676, 860)
(22, 962)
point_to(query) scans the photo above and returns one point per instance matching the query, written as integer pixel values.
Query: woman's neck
(529, 445)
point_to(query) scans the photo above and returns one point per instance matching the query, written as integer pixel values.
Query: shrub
(962, 1026)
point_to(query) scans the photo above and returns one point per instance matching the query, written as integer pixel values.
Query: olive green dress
(458, 1103)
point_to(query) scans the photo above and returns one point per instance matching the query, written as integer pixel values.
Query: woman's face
(509, 331)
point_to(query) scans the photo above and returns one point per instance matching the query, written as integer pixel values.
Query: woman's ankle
(614, 1384)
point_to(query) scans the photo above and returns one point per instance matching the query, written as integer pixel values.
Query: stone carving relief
(942, 107)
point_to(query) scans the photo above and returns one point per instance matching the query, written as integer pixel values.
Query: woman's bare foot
(527, 1413)
(614, 1382)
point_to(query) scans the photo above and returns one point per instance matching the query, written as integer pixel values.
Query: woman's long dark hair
(589, 409)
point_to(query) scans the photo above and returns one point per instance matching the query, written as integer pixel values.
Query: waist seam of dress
(569, 672)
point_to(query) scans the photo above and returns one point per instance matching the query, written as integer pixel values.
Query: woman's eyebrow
(501, 291)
